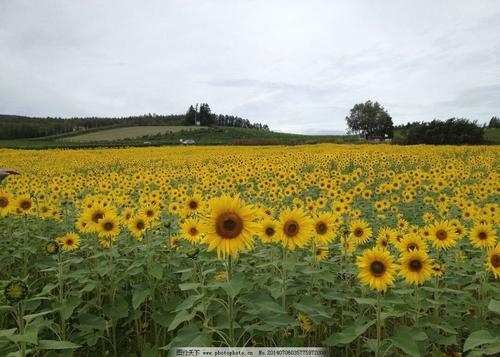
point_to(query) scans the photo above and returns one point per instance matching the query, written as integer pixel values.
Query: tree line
(22, 127)
(371, 120)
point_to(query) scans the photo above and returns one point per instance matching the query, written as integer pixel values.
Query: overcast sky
(298, 66)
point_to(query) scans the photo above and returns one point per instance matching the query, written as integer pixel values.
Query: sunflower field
(364, 249)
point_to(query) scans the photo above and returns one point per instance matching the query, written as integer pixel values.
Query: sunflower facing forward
(376, 269)
(493, 261)
(191, 230)
(360, 232)
(443, 235)
(295, 228)
(415, 267)
(70, 241)
(229, 226)
(482, 236)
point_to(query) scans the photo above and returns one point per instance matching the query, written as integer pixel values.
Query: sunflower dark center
(269, 231)
(70, 241)
(291, 228)
(26, 205)
(482, 235)
(139, 225)
(358, 232)
(321, 228)
(495, 260)
(384, 243)
(4, 202)
(108, 226)
(377, 268)
(229, 225)
(97, 216)
(193, 204)
(415, 265)
(412, 246)
(193, 231)
(150, 213)
(441, 234)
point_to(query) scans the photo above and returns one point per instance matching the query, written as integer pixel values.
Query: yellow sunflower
(109, 226)
(376, 268)
(437, 269)
(415, 266)
(137, 225)
(443, 235)
(304, 321)
(321, 253)
(493, 261)
(483, 236)
(324, 228)
(268, 230)
(191, 230)
(24, 204)
(360, 232)
(5, 203)
(70, 241)
(411, 242)
(295, 228)
(229, 226)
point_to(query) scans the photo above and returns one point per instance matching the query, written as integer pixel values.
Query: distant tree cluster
(204, 116)
(494, 122)
(21, 127)
(370, 119)
(454, 131)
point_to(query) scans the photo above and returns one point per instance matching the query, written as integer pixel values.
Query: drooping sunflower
(482, 236)
(109, 226)
(415, 266)
(324, 228)
(359, 232)
(5, 203)
(493, 261)
(376, 268)
(443, 235)
(229, 226)
(321, 253)
(69, 241)
(267, 231)
(304, 321)
(295, 228)
(191, 230)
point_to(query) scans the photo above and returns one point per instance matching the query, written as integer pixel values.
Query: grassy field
(202, 136)
(127, 133)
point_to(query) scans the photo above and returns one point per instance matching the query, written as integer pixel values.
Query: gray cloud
(297, 66)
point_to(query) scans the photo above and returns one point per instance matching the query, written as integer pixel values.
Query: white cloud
(295, 65)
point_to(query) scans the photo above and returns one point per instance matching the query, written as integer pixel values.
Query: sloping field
(126, 133)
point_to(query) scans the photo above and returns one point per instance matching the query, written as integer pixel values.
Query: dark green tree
(494, 122)
(370, 119)
(190, 116)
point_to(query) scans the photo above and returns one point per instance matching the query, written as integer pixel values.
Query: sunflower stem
(60, 279)
(283, 271)
(379, 326)
(230, 301)
(417, 305)
(21, 326)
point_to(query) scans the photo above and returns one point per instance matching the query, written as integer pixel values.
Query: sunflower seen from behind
(295, 228)
(376, 269)
(229, 226)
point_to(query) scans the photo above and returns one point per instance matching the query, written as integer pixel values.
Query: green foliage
(370, 119)
(449, 132)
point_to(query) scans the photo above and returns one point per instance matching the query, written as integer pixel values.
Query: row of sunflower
(305, 232)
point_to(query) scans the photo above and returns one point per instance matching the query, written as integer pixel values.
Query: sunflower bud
(192, 252)
(52, 248)
(16, 291)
